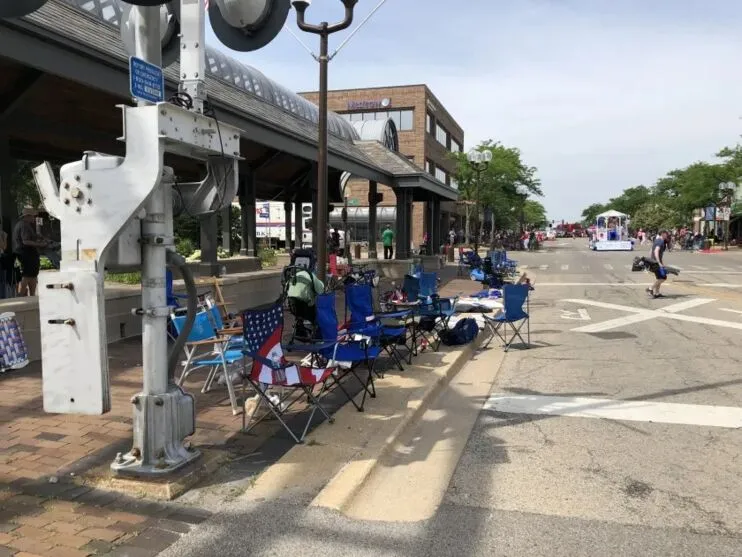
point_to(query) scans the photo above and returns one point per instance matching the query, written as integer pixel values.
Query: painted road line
(627, 284)
(523, 266)
(699, 268)
(731, 310)
(586, 267)
(721, 285)
(713, 272)
(543, 267)
(622, 410)
(726, 268)
(608, 267)
(650, 314)
(565, 267)
(579, 315)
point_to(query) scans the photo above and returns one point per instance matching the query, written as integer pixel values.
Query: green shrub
(185, 247)
(46, 265)
(268, 257)
(125, 278)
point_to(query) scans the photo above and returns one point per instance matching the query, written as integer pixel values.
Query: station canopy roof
(64, 66)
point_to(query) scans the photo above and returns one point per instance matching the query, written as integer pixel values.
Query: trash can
(357, 251)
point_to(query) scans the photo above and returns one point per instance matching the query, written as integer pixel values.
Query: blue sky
(600, 95)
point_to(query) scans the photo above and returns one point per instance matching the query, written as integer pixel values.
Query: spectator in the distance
(26, 245)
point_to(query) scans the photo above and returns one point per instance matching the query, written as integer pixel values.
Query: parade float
(611, 232)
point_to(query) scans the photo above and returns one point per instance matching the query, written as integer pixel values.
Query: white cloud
(597, 101)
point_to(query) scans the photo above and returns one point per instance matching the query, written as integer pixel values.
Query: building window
(429, 123)
(454, 184)
(441, 135)
(441, 174)
(395, 116)
(456, 146)
(406, 118)
(430, 167)
(410, 158)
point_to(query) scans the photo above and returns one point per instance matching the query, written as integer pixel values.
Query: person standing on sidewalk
(658, 265)
(387, 238)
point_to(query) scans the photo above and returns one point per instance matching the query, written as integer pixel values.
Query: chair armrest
(231, 331)
(311, 346)
(204, 342)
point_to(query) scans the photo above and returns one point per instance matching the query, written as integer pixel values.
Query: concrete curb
(349, 480)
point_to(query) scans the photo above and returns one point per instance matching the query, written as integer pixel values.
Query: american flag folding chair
(263, 332)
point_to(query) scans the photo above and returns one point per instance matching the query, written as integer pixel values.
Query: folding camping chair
(353, 349)
(515, 296)
(263, 331)
(359, 300)
(221, 353)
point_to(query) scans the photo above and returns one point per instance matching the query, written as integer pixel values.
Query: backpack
(465, 331)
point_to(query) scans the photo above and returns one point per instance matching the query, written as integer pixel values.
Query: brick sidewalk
(43, 510)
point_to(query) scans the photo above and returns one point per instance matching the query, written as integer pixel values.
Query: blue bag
(465, 331)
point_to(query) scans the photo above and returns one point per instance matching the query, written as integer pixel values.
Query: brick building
(427, 135)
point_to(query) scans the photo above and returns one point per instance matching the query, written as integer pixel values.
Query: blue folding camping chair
(395, 326)
(353, 349)
(513, 316)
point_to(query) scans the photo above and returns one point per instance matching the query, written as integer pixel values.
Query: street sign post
(146, 81)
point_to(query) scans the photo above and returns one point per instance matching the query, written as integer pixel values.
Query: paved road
(617, 434)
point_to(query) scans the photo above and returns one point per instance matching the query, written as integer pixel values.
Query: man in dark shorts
(26, 244)
(657, 264)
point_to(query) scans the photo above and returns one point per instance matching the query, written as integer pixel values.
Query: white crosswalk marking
(698, 267)
(627, 266)
(523, 267)
(727, 268)
(608, 267)
(565, 267)
(543, 267)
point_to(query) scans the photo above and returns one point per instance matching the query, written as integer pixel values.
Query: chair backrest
(359, 299)
(411, 287)
(263, 332)
(428, 284)
(203, 328)
(304, 258)
(514, 298)
(170, 298)
(326, 318)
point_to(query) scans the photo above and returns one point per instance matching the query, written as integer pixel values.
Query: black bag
(465, 331)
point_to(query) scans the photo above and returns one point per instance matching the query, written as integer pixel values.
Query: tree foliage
(670, 202)
(496, 188)
(534, 214)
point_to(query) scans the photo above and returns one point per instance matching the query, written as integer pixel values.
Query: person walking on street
(387, 238)
(658, 265)
(26, 244)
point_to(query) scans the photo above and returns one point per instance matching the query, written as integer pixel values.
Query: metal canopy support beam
(287, 222)
(7, 210)
(298, 228)
(372, 232)
(9, 103)
(209, 230)
(436, 238)
(428, 218)
(247, 205)
(404, 204)
(227, 229)
(313, 189)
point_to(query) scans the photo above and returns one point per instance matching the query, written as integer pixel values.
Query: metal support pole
(322, 196)
(8, 212)
(154, 327)
(324, 30)
(287, 205)
(298, 226)
(372, 208)
(209, 260)
(346, 242)
(227, 229)
(250, 230)
(244, 231)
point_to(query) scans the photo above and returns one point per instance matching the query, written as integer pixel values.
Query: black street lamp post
(324, 30)
(479, 160)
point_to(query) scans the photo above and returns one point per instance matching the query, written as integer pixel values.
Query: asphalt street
(617, 433)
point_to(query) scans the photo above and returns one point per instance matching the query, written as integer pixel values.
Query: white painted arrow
(580, 315)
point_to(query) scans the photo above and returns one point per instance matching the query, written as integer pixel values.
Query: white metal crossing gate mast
(117, 212)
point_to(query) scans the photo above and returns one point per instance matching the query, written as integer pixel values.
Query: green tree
(655, 215)
(590, 214)
(534, 214)
(496, 189)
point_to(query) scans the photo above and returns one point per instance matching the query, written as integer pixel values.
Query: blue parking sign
(146, 81)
